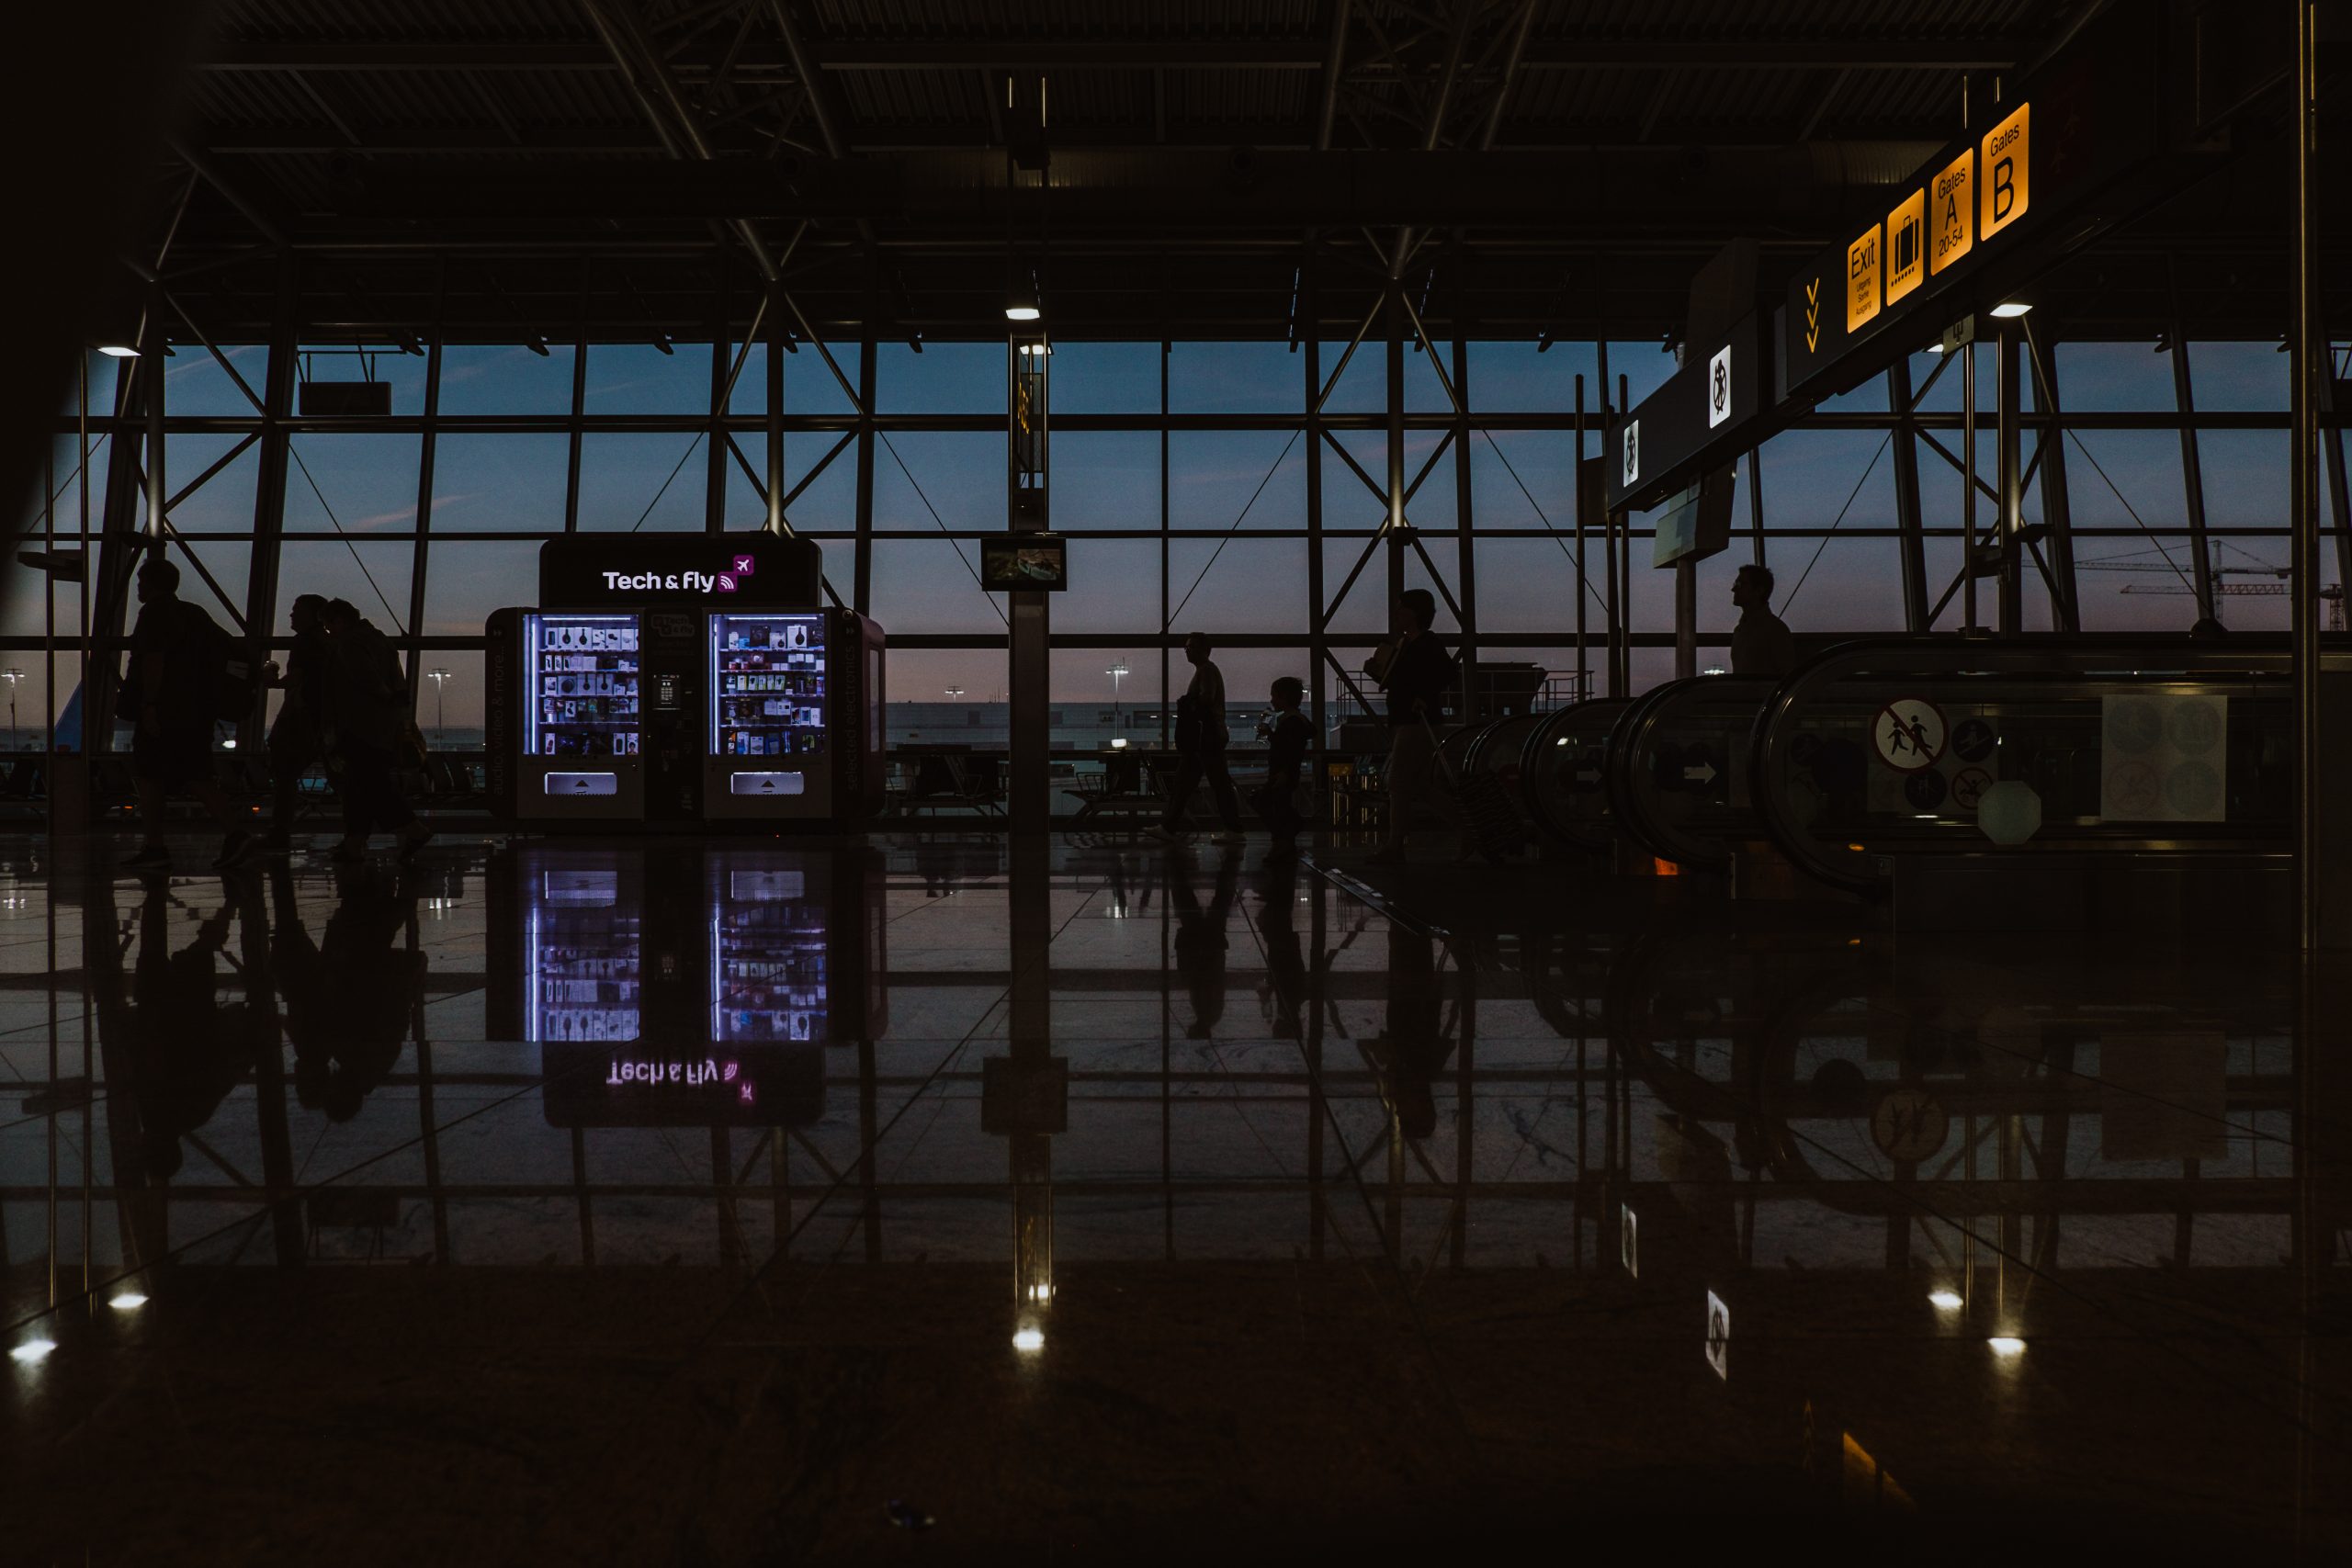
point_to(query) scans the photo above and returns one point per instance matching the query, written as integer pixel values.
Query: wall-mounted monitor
(1025, 560)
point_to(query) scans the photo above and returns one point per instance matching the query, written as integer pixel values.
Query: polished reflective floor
(773, 1200)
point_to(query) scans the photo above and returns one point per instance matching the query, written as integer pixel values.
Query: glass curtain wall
(1235, 488)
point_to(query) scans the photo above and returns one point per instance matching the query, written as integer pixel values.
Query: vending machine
(684, 679)
(566, 716)
(795, 716)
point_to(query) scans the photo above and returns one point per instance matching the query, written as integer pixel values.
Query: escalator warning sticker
(1968, 788)
(1909, 734)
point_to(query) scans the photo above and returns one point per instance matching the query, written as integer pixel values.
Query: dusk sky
(352, 498)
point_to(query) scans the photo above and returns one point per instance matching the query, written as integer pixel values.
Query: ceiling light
(128, 1301)
(1945, 1301)
(32, 1350)
(1038, 349)
(1935, 347)
(2007, 1344)
(117, 351)
(1029, 1340)
(1021, 301)
(2011, 309)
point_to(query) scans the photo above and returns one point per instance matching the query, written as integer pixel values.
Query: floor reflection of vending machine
(795, 716)
(582, 975)
(566, 716)
(685, 987)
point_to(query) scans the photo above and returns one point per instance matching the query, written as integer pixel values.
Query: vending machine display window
(583, 698)
(767, 685)
(768, 960)
(583, 951)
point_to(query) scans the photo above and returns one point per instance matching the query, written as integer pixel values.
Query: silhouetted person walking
(1287, 735)
(367, 720)
(176, 662)
(1761, 644)
(1416, 672)
(1199, 747)
(294, 739)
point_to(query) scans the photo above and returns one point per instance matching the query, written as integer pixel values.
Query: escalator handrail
(1628, 792)
(2238, 655)
(1531, 761)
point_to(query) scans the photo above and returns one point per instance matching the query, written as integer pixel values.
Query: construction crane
(2332, 594)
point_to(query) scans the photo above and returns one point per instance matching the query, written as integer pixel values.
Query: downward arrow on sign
(1812, 315)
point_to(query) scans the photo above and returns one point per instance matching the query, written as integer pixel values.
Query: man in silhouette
(1201, 737)
(176, 651)
(1761, 644)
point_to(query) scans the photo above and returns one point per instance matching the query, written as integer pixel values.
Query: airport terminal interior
(845, 781)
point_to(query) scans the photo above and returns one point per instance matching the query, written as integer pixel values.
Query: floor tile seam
(297, 1193)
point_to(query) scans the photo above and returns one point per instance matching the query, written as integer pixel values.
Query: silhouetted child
(1287, 735)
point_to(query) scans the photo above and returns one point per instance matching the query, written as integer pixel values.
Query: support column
(1318, 656)
(1686, 618)
(2057, 514)
(578, 405)
(269, 483)
(862, 592)
(2192, 469)
(151, 350)
(1392, 321)
(2012, 520)
(118, 555)
(425, 485)
(714, 501)
(1910, 529)
(774, 370)
(1028, 508)
(2310, 350)
(1466, 585)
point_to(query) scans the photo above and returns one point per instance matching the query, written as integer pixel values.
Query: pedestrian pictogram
(2006, 162)
(1719, 387)
(1954, 198)
(1862, 263)
(1812, 315)
(1909, 734)
(1906, 247)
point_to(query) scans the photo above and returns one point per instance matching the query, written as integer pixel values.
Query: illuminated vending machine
(795, 724)
(566, 716)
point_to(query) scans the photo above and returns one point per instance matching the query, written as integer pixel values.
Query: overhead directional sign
(1982, 216)
(1692, 423)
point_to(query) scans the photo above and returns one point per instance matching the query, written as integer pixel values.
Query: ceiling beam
(1302, 55)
